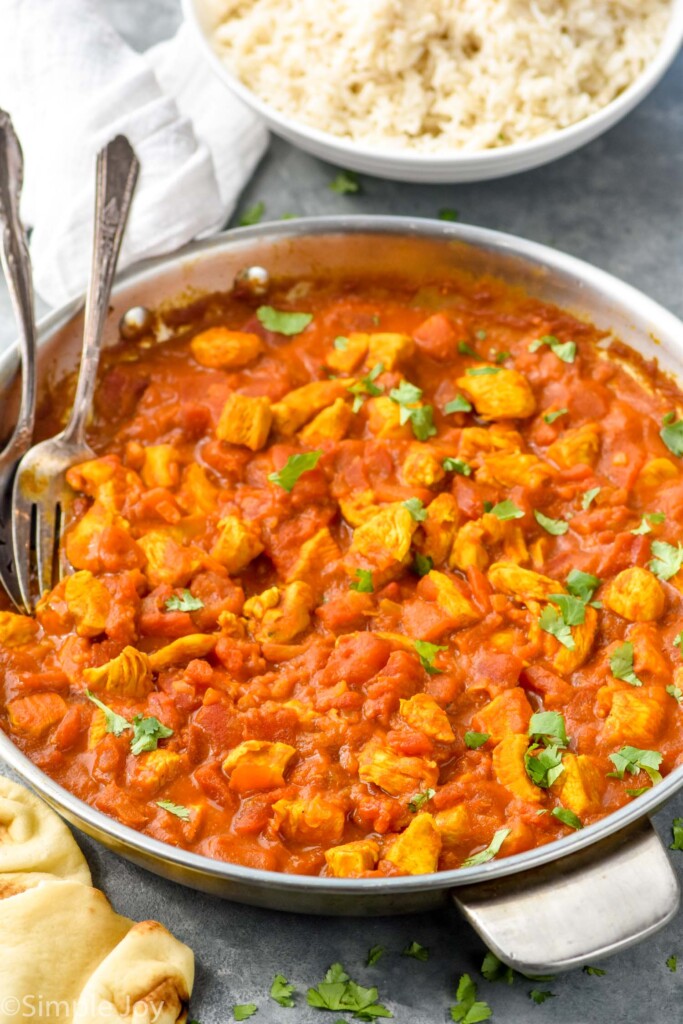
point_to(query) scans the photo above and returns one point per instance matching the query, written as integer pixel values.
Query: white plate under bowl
(453, 166)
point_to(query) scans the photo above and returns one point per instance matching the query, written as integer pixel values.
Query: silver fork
(41, 498)
(17, 267)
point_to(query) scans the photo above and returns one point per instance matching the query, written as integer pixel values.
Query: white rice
(435, 75)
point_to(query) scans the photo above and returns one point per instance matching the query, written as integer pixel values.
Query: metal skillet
(553, 908)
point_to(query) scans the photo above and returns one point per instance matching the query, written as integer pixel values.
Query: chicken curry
(366, 581)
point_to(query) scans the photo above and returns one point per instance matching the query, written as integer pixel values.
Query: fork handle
(117, 172)
(16, 264)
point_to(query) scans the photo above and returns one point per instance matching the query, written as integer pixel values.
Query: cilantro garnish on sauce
(177, 809)
(183, 602)
(363, 582)
(554, 414)
(422, 564)
(667, 559)
(113, 723)
(552, 621)
(589, 497)
(557, 527)
(621, 664)
(582, 585)
(280, 322)
(564, 350)
(146, 731)
(672, 434)
(417, 802)
(293, 468)
(417, 510)
(466, 350)
(420, 417)
(567, 817)
(484, 856)
(366, 387)
(456, 466)
(474, 740)
(457, 404)
(633, 761)
(427, 652)
(548, 727)
(543, 765)
(506, 510)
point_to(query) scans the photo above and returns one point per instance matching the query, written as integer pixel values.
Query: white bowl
(400, 165)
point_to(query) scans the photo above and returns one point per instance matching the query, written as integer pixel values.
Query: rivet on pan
(135, 322)
(253, 281)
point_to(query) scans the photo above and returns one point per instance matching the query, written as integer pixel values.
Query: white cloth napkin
(70, 84)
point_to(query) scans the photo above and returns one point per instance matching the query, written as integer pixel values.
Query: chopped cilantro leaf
(672, 436)
(598, 972)
(502, 356)
(422, 421)
(494, 969)
(345, 183)
(633, 761)
(406, 393)
(416, 951)
(281, 991)
(555, 414)
(243, 1011)
(572, 608)
(564, 350)
(506, 510)
(481, 371)
(468, 1010)
(567, 817)
(466, 350)
(252, 215)
(447, 213)
(337, 991)
(484, 856)
(557, 527)
(647, 519)
(539, 996)
(678, 642)
(677, 834)
(672, 963)
(363, 583)
(341, 343)
(456, 466)
(582, 584)
(185, 602)
(417, 510)
(113, 723)
(422, 564)
(549, 728)
(420, 799)
(481, 334)
(280, 322)
(360, 389)
(543, 765)
(667, 559)
(180, 812)
(552, 621)
(373, 955)
(457, 404)
(589, 497)
(675, 692)
(146, 734)
(293, 468)
(476, 739)
(621, 664)
(427, 652)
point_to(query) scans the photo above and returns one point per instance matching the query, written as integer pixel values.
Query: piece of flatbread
(35, 844)
(66, 957)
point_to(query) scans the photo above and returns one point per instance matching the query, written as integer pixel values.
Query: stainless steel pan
(545, 910)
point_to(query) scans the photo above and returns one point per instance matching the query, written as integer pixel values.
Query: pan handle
(578, 909)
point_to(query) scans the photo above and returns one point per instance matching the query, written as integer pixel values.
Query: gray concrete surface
(619, 204)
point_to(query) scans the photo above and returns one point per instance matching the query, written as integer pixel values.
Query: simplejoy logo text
(35, 1007)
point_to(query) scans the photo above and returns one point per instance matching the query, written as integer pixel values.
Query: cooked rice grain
(435, 75)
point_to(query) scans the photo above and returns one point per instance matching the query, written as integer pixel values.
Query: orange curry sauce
(346, 671)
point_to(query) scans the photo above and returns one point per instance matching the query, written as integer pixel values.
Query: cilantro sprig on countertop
(416, 951)
(468, 1009)
(281, 991)
(337, 991)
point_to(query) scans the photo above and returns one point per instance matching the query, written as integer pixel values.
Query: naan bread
(35, 844)
(65, 956)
